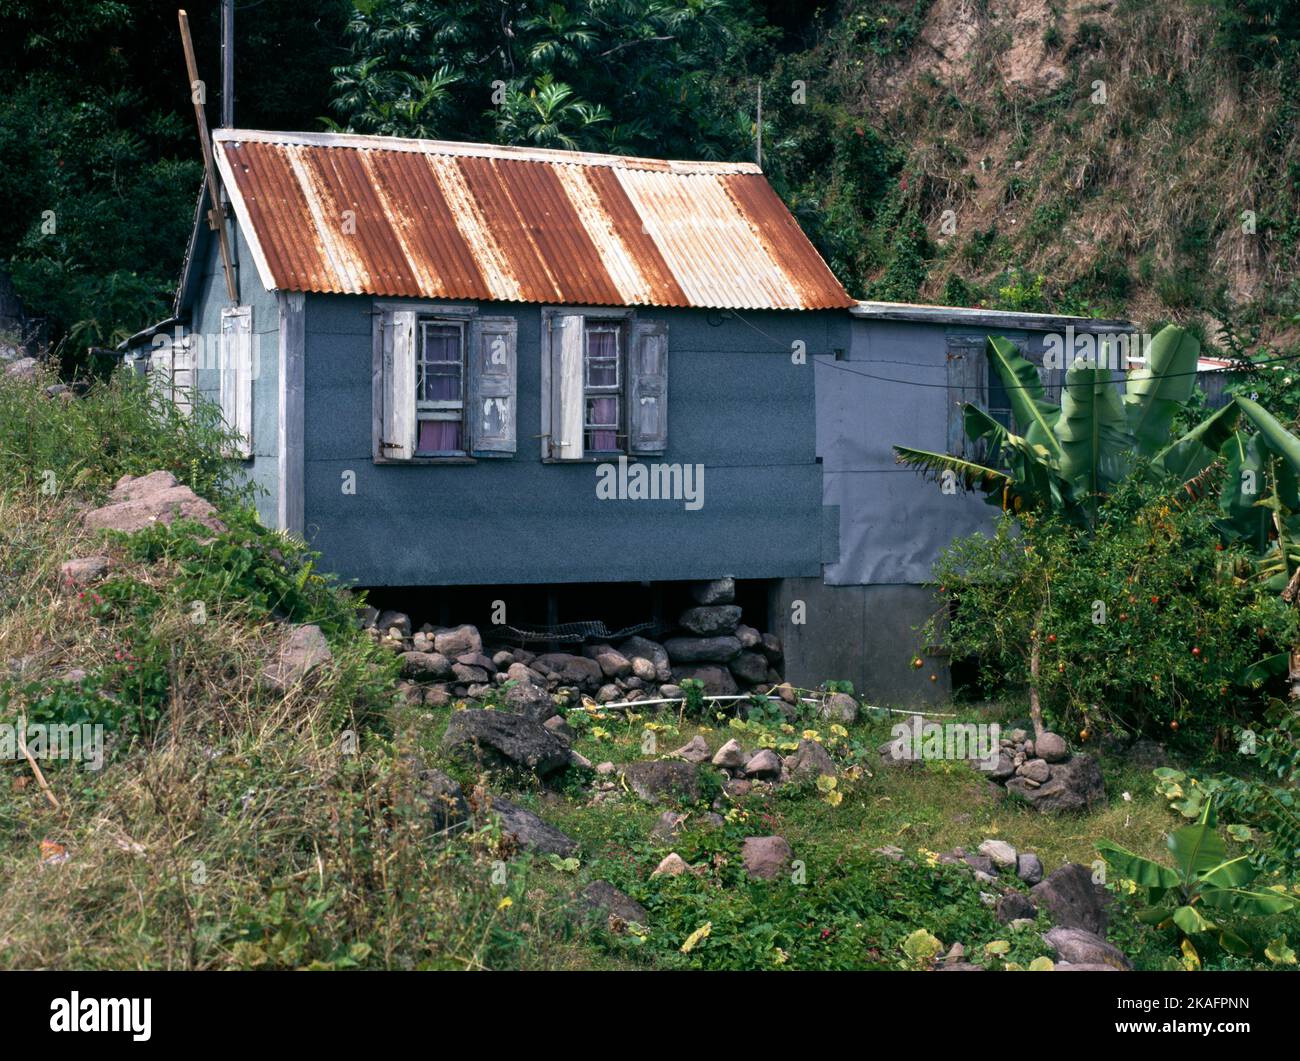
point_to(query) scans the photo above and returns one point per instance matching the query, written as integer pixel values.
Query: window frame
(441, 410)
(626, 318)
(617, 391)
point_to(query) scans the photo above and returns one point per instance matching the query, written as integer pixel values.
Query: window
(444, 381)
(235, 370)
(440, 388)
(604, 385)
(602, 392)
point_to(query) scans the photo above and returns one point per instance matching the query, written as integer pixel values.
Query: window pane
(602, 423)
(440, 368)
(439, 436)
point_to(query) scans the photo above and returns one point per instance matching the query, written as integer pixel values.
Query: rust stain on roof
(373, 215)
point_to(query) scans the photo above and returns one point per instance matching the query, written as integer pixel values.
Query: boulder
(559, 727)
(645, 670)
(497, 738)
(749, 667)
(573, 670)
(693, 751)
(763, 765)
(444, 798)
(301, 652)
(839, 707)
(670, 692)
(399, 621)
(1014, 906)
(529, 831)
(717, 681)
(810, 761)
(1035, 770)
(425, 666)
(1078, 947)
(522, 672)
(770, 646)
(467, 674)
(602, 898)
(136, 503)
(458, 641)
(1051, 747)
(83, 570)
(608, 694)
(673, 865)
(24, 368)
(635, 648)
(715, 591)
(613, 664)
(710, 620)
(1029, 867)
(750, 638)
(660, 779)
(766, 857)
(731, 756)
(702, 649)
(531, 701)
(1072, 898)
(1074, 785)
(1001, 852)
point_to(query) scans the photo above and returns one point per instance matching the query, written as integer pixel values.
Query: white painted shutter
(566, 386)
(394, 386)
(648, 388)
(491, 414)
(236, 372)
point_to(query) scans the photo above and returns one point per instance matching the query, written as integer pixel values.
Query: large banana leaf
(1195, 451)
(1283, 444)
(966, 474)
(1198, 848)
(1250, 903)
(1029, 466)
(1157, 391)
(1141, 871)
(1035, 416)
(1244, 487)
(1096, 448)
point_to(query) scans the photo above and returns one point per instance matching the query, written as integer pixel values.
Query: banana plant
(1206, 895)
(1068, 457)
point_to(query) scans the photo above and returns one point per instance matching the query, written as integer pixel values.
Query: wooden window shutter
(393, 385)
(564, 402)
(648, 387)
(236, 372)
(492, 385)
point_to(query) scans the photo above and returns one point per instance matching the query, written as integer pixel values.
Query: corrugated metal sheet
(427, 219)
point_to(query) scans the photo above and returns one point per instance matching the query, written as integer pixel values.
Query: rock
(136, 503)
(770, 646)
(709, 620)
(716, 591)
(503, 660)
(529, 831)
(1018, 736)
(766, 857)
(673, 865)
(1072, 899)
(764, 765)
(657, 779)
(1004, 768)
(458, 641)
(810, 762)
(425, 666)
(1052, 747)
(1080, 947)
(559, 727)
(737, 788)
(437, 696)
(667, 825)
(84, 569)
(1029, 868)
(444, 797)
(731, 756)
(479, 660)
(606, 769)
(749, 667)
(573, 670)
(702, 649)
(613, 664)
(609, 694)
(531, 701)
(644, 669)
(399, 621)
(693, 751)
(521, 672)
(749, 638)
(301, 652)
(889, 851)
(468, 675)
(1014, 906)
(670, 692)
(981, 864)
(1001, 852)
(601, 897)
(717, 681)
(1074, 785)
(494, 738)
(1035, 770)
(787, 693)
(1070, 967)
(840, 707)
(635, 648)
(24, 368)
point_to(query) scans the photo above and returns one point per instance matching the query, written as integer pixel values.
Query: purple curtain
(439, 436)
(603, 411)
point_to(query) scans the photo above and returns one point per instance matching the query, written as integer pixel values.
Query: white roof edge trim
(995, 317)
(473, 150)
(244, 221)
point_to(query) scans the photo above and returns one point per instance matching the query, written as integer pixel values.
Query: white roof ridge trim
(467, 149)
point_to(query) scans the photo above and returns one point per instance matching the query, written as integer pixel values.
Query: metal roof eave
(989, 318)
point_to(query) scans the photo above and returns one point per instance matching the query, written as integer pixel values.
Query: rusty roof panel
(350, 214)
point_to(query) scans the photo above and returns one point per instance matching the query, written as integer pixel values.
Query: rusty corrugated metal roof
(377, 215)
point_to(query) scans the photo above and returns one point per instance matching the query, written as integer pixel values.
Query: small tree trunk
(1035, 708)
(1290, 595)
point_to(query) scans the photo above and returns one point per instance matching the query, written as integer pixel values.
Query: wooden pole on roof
(215, 220)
